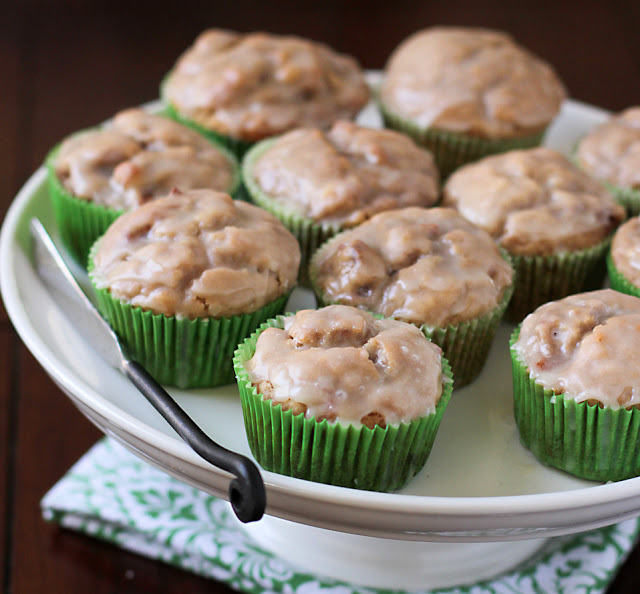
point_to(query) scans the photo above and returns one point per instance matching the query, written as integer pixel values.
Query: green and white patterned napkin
(113, 495)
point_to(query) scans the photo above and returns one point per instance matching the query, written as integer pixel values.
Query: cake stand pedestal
(386, 563)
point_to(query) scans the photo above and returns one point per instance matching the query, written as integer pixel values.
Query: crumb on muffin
(342, 364)
(473, 81)
(139, 156)
(197, 254)
(611, 151)
(424, 266)
(534, 202)
(255, 85)
(586, 347)
(346, 174)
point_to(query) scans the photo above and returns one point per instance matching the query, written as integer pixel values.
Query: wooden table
(64, 66)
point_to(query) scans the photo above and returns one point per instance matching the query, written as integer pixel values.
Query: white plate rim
(590, 497)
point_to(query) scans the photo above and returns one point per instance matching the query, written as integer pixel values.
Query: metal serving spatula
(246, 490)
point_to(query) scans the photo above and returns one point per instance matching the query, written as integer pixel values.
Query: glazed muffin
(241, 88)
(466, 93)
(429, 267)
(319, 182)
(554, 220)
(611, 153)
(576, 373)
(623, 261)
(339, 396)
(184, 278)
(95, 175)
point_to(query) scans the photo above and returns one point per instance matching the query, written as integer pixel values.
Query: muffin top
(342, 364)
(625, 250)
(346, 174)
(250, 86)
(534, 202)
(137, 157)
(197, 254)
(611, 152)
(425, 266)
(586, 347)
(474, 81)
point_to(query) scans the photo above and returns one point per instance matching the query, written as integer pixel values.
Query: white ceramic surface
(479, 484)
(385, 563)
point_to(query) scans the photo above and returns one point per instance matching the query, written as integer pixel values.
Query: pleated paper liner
(618, 281)
(357, 457)
(465, 345)
(588, 441)
(80, 222)
(310, 235)
(182, 352)
(546, 278)
(451, 150)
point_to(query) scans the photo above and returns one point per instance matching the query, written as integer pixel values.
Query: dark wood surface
(68, 64)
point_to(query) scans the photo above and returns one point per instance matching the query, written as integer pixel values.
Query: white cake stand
(481, 505)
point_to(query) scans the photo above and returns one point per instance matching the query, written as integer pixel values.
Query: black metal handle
(246, 491)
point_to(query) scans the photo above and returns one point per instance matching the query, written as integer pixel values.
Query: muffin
(95, 175)
(576, 375)
(183, 279)
(623, 261)
(611, 153)
(466, 93)
(319, 182)
(241, 88)
(339, 396)
(429, 267)
(554, 220)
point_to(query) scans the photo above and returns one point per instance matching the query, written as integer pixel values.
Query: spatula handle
(246, 490)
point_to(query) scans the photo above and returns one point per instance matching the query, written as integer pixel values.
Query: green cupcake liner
(588, 441)
(546, 278)
(310, 235)
(80, 222)
(451, 150)
(465, 345)
(356, 457)
(181, 352)
(617, 281)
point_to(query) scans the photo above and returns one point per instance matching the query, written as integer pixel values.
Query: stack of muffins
(410, 293)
